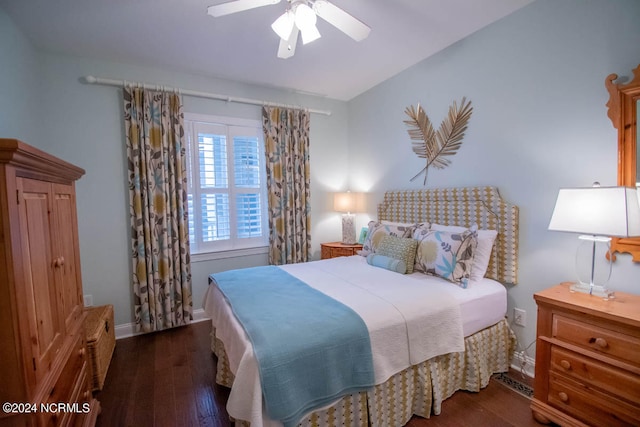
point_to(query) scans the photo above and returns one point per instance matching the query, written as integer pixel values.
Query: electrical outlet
(519, 317)
(88, 300)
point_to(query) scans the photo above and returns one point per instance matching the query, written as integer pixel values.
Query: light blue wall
(18, 83)
(42, 94)
(536, 81)
(83, 124)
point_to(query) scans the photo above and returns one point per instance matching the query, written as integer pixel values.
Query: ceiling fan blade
(234, 6)
(340, 19)
(287, 48)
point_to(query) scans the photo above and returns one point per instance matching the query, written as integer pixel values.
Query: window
(226, 185)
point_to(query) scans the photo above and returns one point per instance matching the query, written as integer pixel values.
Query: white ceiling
(179, 35)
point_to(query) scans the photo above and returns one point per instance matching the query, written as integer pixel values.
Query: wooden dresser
(43, 353)
(336, 249)
(587, 359)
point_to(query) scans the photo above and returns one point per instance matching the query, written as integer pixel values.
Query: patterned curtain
(286, 137)
(158, 208)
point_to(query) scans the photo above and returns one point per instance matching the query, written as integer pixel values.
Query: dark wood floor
(168, 379)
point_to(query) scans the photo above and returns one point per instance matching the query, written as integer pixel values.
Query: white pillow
(486, 238)
(398, 224)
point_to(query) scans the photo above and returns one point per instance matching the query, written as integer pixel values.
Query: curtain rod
(112, 82)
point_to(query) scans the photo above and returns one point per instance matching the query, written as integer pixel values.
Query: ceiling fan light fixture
(309, 34)
(305, 20)
(284, 25)
(300, 18)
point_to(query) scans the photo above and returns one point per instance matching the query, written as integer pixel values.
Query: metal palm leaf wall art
(437, 146)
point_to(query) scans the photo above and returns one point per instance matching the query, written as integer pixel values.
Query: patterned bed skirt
(419, 389)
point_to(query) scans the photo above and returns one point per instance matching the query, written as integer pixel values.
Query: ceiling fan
(300, 17)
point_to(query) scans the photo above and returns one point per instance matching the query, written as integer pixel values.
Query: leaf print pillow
(446, 254)
(378, 230)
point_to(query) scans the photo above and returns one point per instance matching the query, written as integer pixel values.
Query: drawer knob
(81, 352)
(565, 364)
(563, 396)
(600, 342)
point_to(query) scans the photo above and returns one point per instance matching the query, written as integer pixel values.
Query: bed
(420, 378)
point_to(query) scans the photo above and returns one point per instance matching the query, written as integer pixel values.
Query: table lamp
(348, 203)
(598, 213)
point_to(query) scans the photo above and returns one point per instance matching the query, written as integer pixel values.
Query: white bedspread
(409, 322)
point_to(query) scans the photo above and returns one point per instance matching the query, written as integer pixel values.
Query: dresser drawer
(336, 252)
(590, 406)
(337, 249)
(616, 381)
(602, 340)
(587, 359)
(67, 388)
(82, 395)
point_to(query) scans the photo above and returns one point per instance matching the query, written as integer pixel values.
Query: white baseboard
(127, 330)
(523, 363)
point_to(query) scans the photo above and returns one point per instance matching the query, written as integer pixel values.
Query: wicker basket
(101, 341)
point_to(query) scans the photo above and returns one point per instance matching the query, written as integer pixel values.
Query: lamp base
(597, 290)
(348, 229)
(593, 265)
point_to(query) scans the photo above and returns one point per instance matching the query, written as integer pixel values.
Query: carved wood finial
(613, 104)
(614, 108)
(636, 75)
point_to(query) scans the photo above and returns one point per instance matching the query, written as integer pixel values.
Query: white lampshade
(348, 202)
(305, 19)
(601, 211)
(309, 34)
(598, 212)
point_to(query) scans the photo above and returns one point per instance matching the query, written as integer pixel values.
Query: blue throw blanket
(310, 348)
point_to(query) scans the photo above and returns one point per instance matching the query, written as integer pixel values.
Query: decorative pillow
(377, 230)
(402, 248)
(387, 263)
(398, 224)
(486, 239)
(446, 254)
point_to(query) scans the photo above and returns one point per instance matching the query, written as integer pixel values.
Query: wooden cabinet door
(45, 328)
(65, 253)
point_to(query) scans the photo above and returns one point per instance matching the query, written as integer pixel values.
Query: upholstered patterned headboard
(464, 207)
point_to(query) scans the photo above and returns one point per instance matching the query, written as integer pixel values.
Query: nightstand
(587, 359)
(336, 249)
